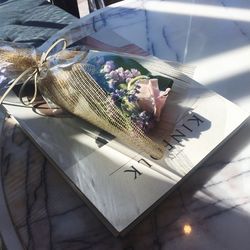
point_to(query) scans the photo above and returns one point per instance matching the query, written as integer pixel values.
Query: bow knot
(32, 73)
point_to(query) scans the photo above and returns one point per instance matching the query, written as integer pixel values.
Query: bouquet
(115, 92)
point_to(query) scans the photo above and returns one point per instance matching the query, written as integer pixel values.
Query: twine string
(32, 72)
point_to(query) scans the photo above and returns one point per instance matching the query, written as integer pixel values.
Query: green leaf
(122, 86)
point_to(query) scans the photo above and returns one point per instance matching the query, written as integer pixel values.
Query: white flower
(2, 77)
(108, 67)
(2, 70)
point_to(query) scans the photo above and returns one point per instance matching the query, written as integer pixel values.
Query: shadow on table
(47, 204)
(51, 215)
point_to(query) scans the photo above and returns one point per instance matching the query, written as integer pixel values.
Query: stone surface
(210, 210)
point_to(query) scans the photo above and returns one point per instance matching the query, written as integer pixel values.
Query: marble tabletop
(211, 209)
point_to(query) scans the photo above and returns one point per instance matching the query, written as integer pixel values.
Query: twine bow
(33, 72)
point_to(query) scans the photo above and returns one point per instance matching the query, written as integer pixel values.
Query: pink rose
(150, 98)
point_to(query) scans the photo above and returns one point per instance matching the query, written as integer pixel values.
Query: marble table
(211, 209)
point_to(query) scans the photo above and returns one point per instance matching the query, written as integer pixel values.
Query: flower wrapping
(114, 92)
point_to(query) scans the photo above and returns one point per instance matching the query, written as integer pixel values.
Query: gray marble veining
(210, 210)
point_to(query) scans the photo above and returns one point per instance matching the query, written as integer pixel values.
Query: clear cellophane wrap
(65, 79)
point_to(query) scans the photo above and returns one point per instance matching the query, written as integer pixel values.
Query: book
(122, 185)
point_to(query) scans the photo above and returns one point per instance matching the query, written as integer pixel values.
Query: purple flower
(100, 60)
(113, 75)
(135, 72)
(111, 64)
(119, 75)
(128, 74)
(132, 98)
(108, 67)
(144, 120)
(114, 96)
(118, 95)
(120, 72)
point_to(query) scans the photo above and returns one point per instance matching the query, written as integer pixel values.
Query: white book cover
(119, 183)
